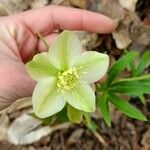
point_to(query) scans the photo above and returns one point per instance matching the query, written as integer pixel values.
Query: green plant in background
(134, 86)
(64, 75)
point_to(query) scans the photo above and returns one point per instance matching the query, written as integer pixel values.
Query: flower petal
(74, 115)
(40, 67)
(46, 98)
(82, 97)
(92, 66)
(65, 50)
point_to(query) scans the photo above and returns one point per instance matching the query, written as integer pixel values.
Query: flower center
(67, 79)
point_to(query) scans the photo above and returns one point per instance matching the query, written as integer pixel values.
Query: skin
(19, 43)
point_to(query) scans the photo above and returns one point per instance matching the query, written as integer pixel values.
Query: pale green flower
(64, 74)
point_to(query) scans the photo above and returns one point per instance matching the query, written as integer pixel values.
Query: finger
(46, 19)
(48, 39)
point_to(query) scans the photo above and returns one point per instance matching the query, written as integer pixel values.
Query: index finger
(47, 19)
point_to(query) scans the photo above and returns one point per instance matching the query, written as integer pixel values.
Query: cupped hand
(19, 43)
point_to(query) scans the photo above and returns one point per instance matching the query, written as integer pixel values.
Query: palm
(14, 81)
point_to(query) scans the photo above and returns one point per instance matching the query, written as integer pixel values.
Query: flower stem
(43, 40)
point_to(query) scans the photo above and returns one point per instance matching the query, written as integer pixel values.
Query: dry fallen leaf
(146, 140)
(4, 122)
(15, 6)
(39, 3)
(76, 135)
(128, 4)
(112, 9)
(23, 130)
(78, 3)
(17, 105)
(121, 38)
(27, 130)
(3, 10)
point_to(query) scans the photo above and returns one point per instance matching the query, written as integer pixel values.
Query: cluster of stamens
(67, 79)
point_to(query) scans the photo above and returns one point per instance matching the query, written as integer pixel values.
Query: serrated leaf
(126, 108)
(104, 108)
(120, 65)
(74, 115)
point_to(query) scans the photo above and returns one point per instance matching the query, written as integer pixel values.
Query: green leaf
(120, 65)
(145, 60)
(143, 78)
(62, 115)
(136, 85)
(142, 99)
(131, 87)
(74, 115)
(104, 108)
(126, 108)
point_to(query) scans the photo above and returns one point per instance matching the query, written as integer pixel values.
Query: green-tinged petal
(46, 98)
(82, 97)
(65, 50)
(40, 67)
(74, 115)
(92, 66)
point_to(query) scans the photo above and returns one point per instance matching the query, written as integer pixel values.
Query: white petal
(82, 97)
(92, 66)
(65, 50)
(46, 98)
(40, 67)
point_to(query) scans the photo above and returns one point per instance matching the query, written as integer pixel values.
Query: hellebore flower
(64, 74)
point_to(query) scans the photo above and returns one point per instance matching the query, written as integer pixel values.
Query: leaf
(120, 65)
(62, 115)
(74, 115)
(136, 85)
(24, 130)
(131, 87)
(104, 108)
(145, 60)
(143, 78)
(126, 108)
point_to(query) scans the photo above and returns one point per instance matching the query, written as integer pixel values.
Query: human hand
(19, 43)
